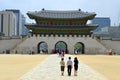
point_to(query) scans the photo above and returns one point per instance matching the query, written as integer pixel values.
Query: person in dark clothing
(69, 66)
(76, 62)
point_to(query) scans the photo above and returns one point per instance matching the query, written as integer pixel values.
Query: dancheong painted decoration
(61, 22)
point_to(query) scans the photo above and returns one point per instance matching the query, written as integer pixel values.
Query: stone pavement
(50, 70)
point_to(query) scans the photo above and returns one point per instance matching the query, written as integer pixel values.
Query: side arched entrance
(79, 47)
(42, 47)
(61, 46)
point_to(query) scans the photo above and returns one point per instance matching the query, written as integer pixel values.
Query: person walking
(76, 62)
(62, 66)
(69, 66)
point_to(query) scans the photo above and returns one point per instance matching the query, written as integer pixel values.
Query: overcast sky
(103, 8)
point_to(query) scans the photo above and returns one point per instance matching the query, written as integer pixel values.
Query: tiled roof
(61, 14)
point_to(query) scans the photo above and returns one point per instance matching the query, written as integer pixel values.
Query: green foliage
(78, 46)
(61, 45)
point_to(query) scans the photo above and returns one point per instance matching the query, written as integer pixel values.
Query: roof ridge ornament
(63, 14)
(43, 9)
(79, 9)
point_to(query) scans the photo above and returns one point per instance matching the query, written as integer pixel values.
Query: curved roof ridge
(61, 11)
(61, 14)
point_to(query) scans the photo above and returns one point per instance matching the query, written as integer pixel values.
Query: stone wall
(110, 44)
(92, 46)
(8, 44)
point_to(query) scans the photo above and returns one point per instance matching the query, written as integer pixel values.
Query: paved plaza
(50, 70)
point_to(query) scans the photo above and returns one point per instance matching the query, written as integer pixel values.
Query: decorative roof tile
(61, 14)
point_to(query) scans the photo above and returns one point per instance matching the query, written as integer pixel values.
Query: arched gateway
(42, 47)
(79, 47)
(61, 46)
(61, 28)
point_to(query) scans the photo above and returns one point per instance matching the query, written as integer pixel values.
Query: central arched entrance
(61, 46)
(42, 47)
(79, 48)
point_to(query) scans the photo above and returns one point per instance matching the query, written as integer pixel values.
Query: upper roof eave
(61, 14)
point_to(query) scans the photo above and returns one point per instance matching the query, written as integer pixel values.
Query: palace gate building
(66, 31)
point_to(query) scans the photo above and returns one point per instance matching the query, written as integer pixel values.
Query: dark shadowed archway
(79, 47)
(42, 47)
(61, 46)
